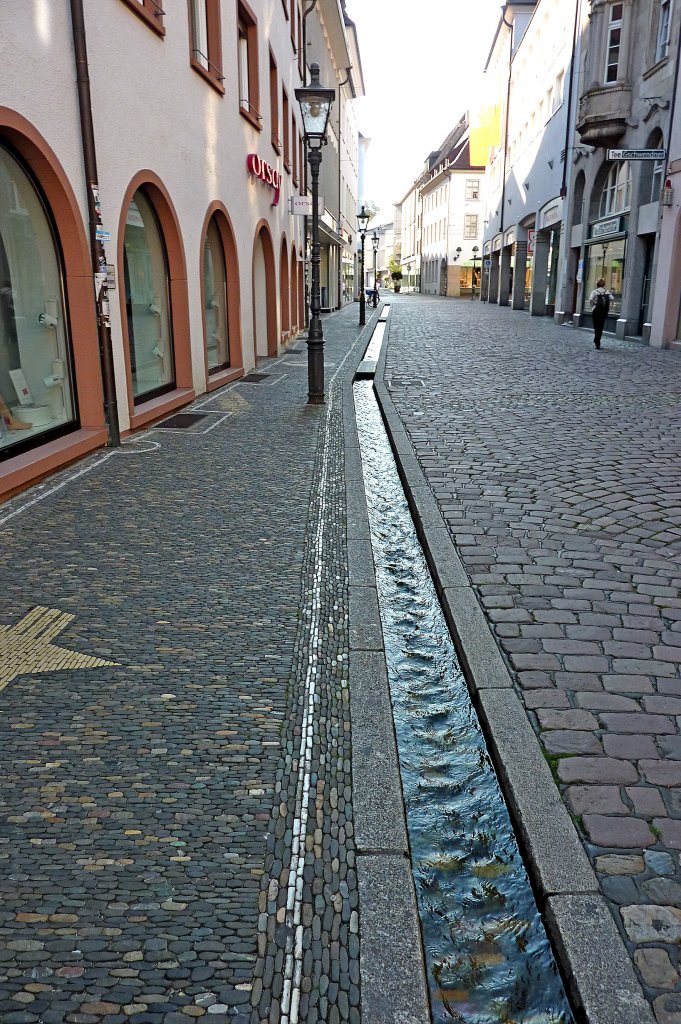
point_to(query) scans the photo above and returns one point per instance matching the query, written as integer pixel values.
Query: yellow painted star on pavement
(27, 648)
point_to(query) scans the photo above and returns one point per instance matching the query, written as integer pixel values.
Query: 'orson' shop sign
(269, 175)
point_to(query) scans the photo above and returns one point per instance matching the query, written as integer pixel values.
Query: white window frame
(244, 83)
(472, 189)
(199, 23)
(470, 225)
(616, 194)
(614, 26)
(664, 24)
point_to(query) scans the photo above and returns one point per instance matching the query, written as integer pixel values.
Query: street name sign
(637, 154)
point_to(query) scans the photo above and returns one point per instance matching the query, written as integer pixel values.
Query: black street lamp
(315, 106)
(362, 223)
(475, 252)
(375, 241)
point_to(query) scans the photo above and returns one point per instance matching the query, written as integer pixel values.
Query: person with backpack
(600, 301)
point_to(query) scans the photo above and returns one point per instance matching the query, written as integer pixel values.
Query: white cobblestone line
(293, 965)
(57, 487)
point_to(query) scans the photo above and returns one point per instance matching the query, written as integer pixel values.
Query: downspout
(668, 147)
(96, 245)
(568, 123)
(507, 118)
(306, 226)
(340, 206)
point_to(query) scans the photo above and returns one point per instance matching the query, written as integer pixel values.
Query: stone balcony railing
(603, 113)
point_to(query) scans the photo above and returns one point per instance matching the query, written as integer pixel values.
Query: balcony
(603, 113)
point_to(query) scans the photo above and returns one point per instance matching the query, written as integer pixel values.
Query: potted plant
(395, 274)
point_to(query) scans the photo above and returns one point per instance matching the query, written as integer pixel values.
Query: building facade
(198, 257)
(529, 67)
(627, 65)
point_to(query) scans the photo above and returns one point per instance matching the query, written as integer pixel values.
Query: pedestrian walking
(600, 300)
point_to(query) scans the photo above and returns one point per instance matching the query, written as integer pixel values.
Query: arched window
(616, 195)
(36, 386)
(145, 266)
(215, 299)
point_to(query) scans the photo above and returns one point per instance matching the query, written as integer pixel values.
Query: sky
(422, 62)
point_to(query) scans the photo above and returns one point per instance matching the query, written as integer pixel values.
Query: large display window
(147, 301)
(36, 388)
(215, 300)
(606, 259)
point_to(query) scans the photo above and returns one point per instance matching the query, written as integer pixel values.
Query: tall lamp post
(475, 252)
(362, 224)
(375, 242)
(315, 106)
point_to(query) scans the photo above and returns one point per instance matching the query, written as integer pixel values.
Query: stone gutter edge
(594, 962)
(392, 964)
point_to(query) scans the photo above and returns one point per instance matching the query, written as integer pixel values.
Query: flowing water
(488, 958)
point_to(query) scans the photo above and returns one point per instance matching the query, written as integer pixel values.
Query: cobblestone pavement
(176, 836)
(557, 470)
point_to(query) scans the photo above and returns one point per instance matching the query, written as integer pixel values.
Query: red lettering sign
(266, 173)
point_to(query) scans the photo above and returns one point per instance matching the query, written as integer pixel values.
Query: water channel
(488, 957)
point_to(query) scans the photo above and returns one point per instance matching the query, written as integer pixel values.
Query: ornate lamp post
(375, 241)
(315, 106)
(362, 223)
(475, 251)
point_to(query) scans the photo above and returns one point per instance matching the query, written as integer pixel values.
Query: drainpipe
(96, 245)
(507, 118)
(568, 123)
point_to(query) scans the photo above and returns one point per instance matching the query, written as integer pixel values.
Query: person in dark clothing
(600, 300)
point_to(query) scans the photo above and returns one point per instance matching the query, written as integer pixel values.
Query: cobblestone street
(557, 472)
(176, 791)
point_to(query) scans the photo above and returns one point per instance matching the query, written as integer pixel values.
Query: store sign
(606, 227)
(551, 215)
(637, 154)
(302, 205)
(266, 173)
(531, 239)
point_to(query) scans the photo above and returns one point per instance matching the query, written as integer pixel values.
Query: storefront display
(215, 299)
(36, 389)
(147, 302)
(606, 259)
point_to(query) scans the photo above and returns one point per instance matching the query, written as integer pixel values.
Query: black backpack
(602, 302)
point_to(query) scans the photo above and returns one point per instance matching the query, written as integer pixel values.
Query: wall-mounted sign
(531, 239)
(551, 215)
(606, 227)
(637, 154)
(266, 173)
(302, 205)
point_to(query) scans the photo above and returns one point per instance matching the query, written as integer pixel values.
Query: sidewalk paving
(175, 774)
(556, 470)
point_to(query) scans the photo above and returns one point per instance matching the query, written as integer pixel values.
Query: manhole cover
(254, 378)
(182, 420)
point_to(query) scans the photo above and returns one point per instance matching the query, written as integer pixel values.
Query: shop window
(663, 29)
(470, 226)
(215, 300)
(37, 397)
(274, 103)
(606, 260)
(147, 300)
(205, 41)
(149, 11)
(472, 188)
(247, 62)
(616, 195)
(286, 128)
(614, 39)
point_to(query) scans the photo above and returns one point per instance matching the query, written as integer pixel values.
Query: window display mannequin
(9, 419)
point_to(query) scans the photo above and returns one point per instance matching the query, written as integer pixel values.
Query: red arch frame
(262, 228)
(41, 160)
(160, 199)
(284, 291)
(223, 221)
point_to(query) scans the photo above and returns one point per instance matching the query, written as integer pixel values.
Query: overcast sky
(422, 63)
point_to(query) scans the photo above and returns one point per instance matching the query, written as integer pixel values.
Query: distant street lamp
(315, 106)
(475, 252)
(375, 241)
(362, 222)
